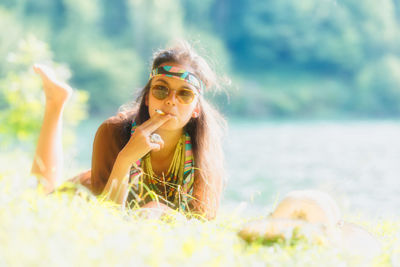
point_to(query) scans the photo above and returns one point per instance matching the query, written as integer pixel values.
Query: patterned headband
(181, 74)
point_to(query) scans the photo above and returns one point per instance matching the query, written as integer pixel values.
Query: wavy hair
(206, 131)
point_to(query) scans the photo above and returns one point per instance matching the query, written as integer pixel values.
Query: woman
(165, 152)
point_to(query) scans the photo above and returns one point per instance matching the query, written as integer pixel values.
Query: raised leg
(48, 159)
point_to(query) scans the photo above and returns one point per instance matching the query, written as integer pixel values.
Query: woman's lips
(159, 111)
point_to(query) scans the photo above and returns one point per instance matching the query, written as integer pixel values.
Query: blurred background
(313, 99)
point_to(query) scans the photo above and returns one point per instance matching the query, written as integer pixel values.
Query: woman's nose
(171, 99)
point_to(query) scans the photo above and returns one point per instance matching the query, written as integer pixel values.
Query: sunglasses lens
(185, 96)
(160, 92)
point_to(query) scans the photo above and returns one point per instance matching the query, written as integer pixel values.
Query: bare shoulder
(117, 126)
(119, 120)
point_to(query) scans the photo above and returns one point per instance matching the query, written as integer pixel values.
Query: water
(357, 163)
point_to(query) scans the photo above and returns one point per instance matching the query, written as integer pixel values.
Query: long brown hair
(206, 131)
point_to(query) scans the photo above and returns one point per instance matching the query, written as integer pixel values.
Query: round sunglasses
(184, 96)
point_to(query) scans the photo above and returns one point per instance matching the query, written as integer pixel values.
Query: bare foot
(57, 92)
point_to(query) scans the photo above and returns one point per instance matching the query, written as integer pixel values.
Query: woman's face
(181, 112)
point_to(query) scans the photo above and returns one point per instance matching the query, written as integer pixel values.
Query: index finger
(155, 122)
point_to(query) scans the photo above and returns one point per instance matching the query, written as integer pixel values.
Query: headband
(178, 73)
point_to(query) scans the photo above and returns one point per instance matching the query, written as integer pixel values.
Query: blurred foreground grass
(71, 230)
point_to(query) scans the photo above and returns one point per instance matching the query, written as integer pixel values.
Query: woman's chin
(171, 125)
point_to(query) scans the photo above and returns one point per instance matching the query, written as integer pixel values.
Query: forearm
(206, 200)
(203, 210)
(117, 185)
(47, 162)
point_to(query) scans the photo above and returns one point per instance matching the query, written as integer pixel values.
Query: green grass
(78, 230)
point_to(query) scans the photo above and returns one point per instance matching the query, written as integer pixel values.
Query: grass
(79, 230)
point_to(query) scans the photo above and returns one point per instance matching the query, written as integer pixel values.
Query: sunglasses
(185, 96)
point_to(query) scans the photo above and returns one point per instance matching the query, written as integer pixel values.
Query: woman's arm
(109, 171)
(110, 138)
(207, 195)
(115, 185)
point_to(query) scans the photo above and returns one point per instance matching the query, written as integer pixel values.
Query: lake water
(357, 163)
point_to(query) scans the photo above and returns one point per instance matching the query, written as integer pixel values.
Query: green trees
(21, 96)
(343, 53)
(286, 57)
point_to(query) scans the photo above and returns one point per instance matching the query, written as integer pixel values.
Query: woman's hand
(139, 143)
(57, 92)
(157, 210)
